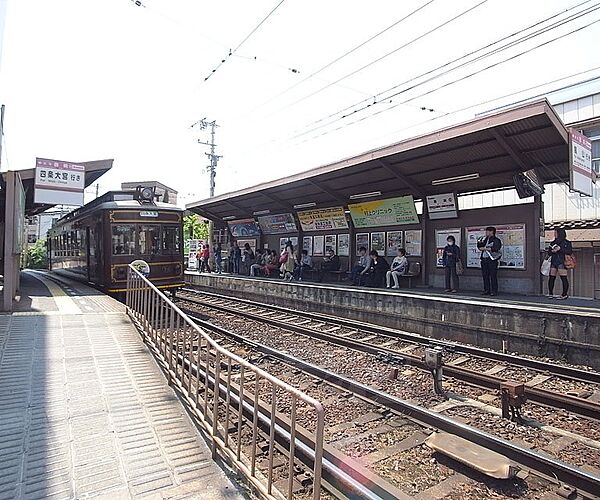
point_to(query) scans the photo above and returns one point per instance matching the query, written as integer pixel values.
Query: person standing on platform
(218, 259)
(204, 266)
(559, 251)
(287, 261)
(450, 259)
(237, 258)
(490, 246)
(247, 258)
(361, 268)
(399, 268)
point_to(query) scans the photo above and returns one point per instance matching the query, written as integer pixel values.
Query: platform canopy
(485, 152)
(93, 171)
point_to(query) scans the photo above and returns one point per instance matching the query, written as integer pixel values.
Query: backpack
(570, 261)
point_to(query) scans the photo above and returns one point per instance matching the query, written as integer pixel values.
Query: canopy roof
(93, 171)
(489, 149)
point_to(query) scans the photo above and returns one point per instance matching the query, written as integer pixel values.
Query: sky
(94, 79)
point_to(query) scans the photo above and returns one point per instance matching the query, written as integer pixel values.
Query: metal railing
(247, 412)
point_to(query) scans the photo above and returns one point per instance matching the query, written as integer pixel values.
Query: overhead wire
(245, 39)
(384, 56)
(373, 99)
(389, 99)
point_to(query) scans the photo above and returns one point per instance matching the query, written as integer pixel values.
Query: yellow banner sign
(324, 219)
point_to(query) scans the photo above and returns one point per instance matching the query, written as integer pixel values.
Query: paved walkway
(86, 412)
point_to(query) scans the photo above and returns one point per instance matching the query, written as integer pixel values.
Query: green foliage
(36, 256)
(195, 228)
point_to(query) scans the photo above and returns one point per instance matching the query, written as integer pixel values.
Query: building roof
(494, 146)
(129, 185)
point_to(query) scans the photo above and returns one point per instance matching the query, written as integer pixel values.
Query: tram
(96, 243)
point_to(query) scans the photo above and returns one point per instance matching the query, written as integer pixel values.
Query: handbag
(545, 268)
(570, 261)
(459, 268)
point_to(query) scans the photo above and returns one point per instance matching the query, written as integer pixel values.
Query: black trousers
(489, 272)
(451, 278)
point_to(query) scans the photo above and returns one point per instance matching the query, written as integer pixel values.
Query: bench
(414, 271)
(313, 275)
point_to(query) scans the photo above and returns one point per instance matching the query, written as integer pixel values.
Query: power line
(246, 38)
(346, 54)
(379, 59)
(389, 99)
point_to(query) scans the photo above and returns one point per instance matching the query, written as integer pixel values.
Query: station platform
(85, 411)
(560, 329)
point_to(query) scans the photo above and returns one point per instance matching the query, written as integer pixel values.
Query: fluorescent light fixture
(261, 212)
(458, 178)
(365, 195)
(229, 217)
(305, 205)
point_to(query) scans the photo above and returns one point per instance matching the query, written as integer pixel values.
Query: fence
(215, 383)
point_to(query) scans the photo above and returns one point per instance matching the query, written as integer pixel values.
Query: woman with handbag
(560, 252)
(451, 260)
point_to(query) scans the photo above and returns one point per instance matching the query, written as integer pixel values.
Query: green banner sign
(390, 212)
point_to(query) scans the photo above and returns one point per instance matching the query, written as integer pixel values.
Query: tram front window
(170, 240)
(149, 238)
(123, 239)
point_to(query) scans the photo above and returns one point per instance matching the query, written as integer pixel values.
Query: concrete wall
(527, 328)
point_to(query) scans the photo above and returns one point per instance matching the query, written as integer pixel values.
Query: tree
(36, 256)
(195, 228)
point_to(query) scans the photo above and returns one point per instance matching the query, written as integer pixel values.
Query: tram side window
(149, 238)
(170, 240)
(123, 239)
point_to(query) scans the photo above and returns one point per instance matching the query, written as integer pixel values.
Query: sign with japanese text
(277, 224)
(323, 219)
(390, 212)
(243, 227)
(442, 206)
(58, 182)
(580, 162)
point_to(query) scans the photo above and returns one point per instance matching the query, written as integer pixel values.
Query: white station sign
(58, 182)
(581, 163)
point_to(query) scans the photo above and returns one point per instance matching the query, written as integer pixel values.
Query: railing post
(215, 427)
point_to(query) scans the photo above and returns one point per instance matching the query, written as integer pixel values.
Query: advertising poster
(243, 227)
(413, 242)
(277, 224)
(324, 219)
(378, 242)
(512, 237)
(394, 242)
(343, 245)
(330, 243)
(284, 240)
(441, 235)
(307, 244)
(318, 245)
(362, 240)
(390, 212)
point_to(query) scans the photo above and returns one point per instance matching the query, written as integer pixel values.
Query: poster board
(277, 224)
(580, 163)
(362, 240)
(441, 235)
(394, 241)
(413, 242)
(307, 244)
(285, 239)
(318, 246)
(343, 242)
(194, 246)
(389, 212)
(513, 245)
(251, 242)
(324, 219)
(243, 227)
(330, 243)
(378, 242)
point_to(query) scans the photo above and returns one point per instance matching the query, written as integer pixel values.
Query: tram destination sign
(580, 162)
(58, 182)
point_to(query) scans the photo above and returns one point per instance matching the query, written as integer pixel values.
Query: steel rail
(535, 364)
(579, 406)
(544, 465)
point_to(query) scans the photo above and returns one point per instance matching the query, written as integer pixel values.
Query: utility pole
(213, 158)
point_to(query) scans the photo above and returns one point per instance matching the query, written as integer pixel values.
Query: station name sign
(58, 182)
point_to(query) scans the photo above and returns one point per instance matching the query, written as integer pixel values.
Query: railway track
(413, 419)
(383, 342)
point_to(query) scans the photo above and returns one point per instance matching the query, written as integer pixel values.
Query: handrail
(179, 343)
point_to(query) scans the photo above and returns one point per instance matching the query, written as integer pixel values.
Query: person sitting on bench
(399, 268)
(361, 268)
(377, 271)
(304, 264)
(331, 262)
